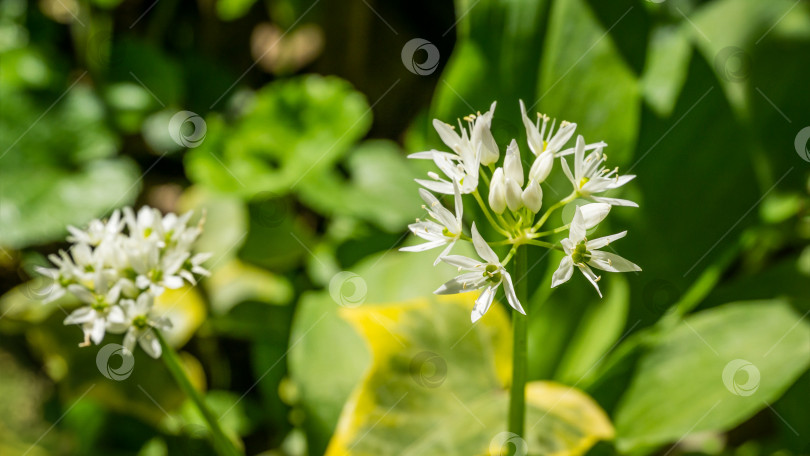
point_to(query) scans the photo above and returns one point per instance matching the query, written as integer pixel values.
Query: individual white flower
(97, 231)
(488, 275)
(583, 254)
(447, 231)
(156, 271)
(497, 192)
(546, 144)
(140, 324)
(148, 224)
(59, 278)
(591, 177)
(194, 266)
(102, 309)
(475, 146)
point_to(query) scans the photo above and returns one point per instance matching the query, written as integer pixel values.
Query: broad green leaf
(600, 327)
(667, 64)
(437, 386)
(584, 79)
(228, 10)
(290, 129)
(380, 187)
(323, 345)
(58, 166)
(712, 372)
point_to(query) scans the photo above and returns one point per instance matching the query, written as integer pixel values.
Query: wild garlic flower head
(117, 267)
(511, 199)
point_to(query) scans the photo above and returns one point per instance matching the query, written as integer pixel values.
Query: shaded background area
(288, 122)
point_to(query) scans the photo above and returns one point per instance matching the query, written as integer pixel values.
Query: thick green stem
(551, 210)
(221, 442)
(517, 395)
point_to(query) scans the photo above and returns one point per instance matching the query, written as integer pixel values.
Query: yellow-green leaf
(438, 385)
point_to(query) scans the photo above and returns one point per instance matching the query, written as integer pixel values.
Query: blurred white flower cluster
(119, 266)
(511, 199)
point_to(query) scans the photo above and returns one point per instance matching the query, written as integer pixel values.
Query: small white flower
(591, 177)
(102, 309)
(541, 141)
(194, 266)
(475, 146)
(488, 275)
(582, 253)
(147, 225)
(156, 270)
(140, 324)
(447, 231)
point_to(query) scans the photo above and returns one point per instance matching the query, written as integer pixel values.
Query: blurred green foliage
(302, 176)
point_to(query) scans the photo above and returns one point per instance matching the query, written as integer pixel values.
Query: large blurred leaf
(290, 129)
(712, 372)
(57, 166)
(380, 187)
(584, 79)
(436, 386)
(323, 345)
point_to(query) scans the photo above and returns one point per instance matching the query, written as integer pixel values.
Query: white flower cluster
(119, 266)
(513, 201)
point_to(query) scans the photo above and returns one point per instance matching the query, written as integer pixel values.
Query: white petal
(577, 229)
(594, 213)
(533, 196)
(423, 247)
(568, 174)
(459, 204)
(563, 272)
(130, 339)
(509, 290)
(445, 188)
(82, 293)
(579, 155)
(513, 195)
(150, 343)
(483, 249)
(482, 304)
(598, 243)
(562, 136)
(621, 180)
(512, 165)
(81, 315)
(98, 330)
(173, 282)
(541, 167)
(611, 262)
(444, 252)
(448, 135)
(589, 274)
(532, 135)
(615, 201)
(497, 192)
(462, 284)
(462, 262)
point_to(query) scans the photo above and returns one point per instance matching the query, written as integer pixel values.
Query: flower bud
(512, 165)
(513, 198)
(497, 192)
(541, 167)
(533, 196)
(482, 137)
